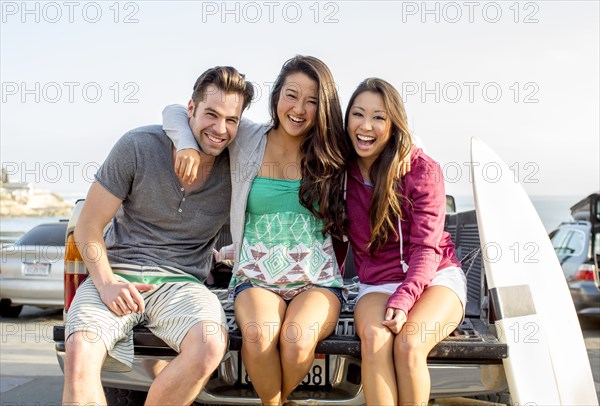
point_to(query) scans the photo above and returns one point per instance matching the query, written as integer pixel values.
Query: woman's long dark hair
(322, 159)
(391, 165)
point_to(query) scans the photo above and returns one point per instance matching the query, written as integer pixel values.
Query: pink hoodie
(427, 248)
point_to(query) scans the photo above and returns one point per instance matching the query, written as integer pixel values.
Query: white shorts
(452, 277)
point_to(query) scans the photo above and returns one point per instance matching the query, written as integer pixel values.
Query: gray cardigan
(246, 154)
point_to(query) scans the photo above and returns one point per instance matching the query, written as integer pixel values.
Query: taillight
(584, 273)
(75, 270)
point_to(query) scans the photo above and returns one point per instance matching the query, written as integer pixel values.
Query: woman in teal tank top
(284, 298)
(287, 284)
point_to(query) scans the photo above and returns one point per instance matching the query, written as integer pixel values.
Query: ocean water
(23, 224)
(551, 209)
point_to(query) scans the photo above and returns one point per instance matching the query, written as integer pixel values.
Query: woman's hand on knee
(394, 319)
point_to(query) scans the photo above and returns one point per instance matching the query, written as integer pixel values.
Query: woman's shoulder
(420, 162)
(425, 173)
(250, 133)
(249, 128)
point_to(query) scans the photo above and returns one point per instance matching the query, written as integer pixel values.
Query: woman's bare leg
(259, 314)
(310, 317)
(433, 317)
(376, 347)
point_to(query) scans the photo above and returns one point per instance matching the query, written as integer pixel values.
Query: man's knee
(203, 348)
(84, 354)
(206, 343)
(84, 342)
(216, 339)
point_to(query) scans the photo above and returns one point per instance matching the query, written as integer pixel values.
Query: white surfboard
(547, 361)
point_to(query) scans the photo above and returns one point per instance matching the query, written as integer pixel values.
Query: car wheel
(124, 397)
(7, 310)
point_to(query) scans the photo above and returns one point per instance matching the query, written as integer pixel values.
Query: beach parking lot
(30, 375)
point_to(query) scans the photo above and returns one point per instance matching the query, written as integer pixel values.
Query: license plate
(36, 269)
(318, 374)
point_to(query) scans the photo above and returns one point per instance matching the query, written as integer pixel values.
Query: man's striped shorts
(178, 302)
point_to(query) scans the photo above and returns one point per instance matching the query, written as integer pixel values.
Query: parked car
(577, 245)
(32, 269)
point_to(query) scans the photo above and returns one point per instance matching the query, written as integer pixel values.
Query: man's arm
(99, 208)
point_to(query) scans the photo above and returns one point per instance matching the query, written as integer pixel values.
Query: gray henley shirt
(158, 224)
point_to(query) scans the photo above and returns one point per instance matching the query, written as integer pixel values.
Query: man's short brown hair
(227, 79)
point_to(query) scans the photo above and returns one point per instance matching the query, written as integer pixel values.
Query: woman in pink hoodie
(412, 290)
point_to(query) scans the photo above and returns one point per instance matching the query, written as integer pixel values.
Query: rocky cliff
(32, 202)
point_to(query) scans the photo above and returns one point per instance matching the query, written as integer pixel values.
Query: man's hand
(394, 319)
(187, 163)
(124, 297)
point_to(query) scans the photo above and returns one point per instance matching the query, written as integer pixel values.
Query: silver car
(32, 269)
(577, 246)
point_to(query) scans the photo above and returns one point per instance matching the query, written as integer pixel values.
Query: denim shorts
(247, 285)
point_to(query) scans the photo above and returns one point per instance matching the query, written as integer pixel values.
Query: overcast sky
(521, 76)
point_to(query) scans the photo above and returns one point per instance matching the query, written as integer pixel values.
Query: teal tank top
(283, 249)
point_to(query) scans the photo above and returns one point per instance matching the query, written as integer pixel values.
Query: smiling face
(214, 119)
(368, 126)
(297, 105)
